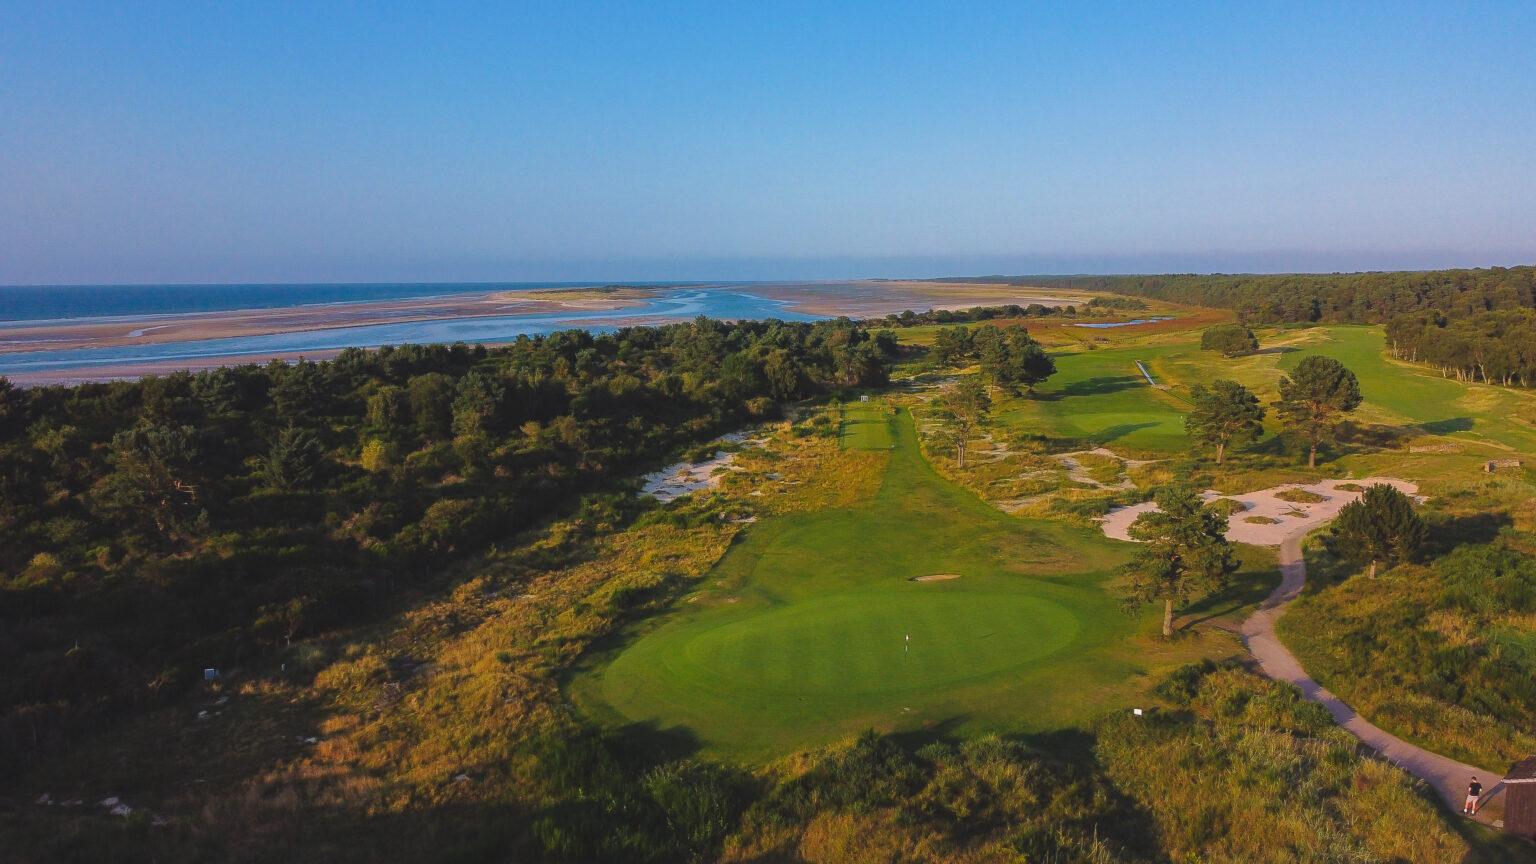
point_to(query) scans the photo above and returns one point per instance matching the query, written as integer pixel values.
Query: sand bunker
(937, 577)
(685, 478)
(1282, 519)
(1077, 472)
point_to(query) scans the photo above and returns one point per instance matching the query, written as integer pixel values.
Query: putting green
(905, 641)
(803, 634)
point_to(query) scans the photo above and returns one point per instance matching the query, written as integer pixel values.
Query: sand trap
(685, 478)
(937, 577)
(1289, 519)
(1077, 472)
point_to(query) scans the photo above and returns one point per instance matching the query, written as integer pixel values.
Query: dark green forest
(1496, 347)
(1342, 298)
(152, 528)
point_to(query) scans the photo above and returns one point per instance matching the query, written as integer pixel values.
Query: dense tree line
(1364, 298)
(1095, 306)
(150, 528)
(1494, 347)
(1010, 358)
(974, 314)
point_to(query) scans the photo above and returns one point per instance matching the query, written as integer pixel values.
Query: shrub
(377, 456)
(1231, 340)
(1227, 506)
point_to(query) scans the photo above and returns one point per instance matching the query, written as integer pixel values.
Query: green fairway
(1396, 394)
(1100, 398)
(866, 426)
(804, 637)
(1417, 396)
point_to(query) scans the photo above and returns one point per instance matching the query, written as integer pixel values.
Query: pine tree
(294, 461)
(965, 405)
(1224, 413)
(1312, 398)
(1014, 361)
(1379, 527)
(1183, 552)
(951, 345)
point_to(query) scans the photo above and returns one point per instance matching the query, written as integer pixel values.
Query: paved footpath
(1448, 777)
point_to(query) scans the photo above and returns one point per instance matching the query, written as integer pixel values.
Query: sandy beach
(505, 314)
(153, 329)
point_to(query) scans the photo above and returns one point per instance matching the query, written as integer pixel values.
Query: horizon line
(758, 281)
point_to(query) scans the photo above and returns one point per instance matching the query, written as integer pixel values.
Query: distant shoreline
(98, 348)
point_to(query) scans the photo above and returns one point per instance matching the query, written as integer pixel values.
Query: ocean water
(674, 303)
(60, 302)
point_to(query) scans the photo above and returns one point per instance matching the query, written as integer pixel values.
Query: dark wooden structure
(1520, 799)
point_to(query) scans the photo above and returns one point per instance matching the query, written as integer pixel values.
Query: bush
(1227, 506)
(1296, 495)
(1231, 340)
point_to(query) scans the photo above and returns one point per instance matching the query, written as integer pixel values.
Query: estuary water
(75, 303)
(669, 303)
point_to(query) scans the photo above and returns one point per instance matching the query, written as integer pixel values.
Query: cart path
(1448, 777)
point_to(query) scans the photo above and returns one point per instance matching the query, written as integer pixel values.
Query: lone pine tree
(1313, 397)
(1379, 527)
(1224, 413)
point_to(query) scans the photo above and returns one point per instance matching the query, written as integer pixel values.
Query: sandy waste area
(1289, 518)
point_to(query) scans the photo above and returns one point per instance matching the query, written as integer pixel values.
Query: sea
(74, 303)
(32, 306)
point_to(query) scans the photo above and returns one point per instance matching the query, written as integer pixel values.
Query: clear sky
(142, 142)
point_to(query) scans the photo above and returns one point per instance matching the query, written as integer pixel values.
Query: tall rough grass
(1244, 770)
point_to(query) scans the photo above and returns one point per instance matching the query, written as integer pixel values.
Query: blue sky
(354, 142)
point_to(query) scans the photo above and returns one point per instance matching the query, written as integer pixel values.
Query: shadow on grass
(1070, 745)
(1445, 427)
(645, 745)
(1249, 588)
(443, 832)
(1115, 433)
(1133, 825)
(1355, 437)
(1446, 532)
(942, 731)
(1096, 386)
(1071, 751)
